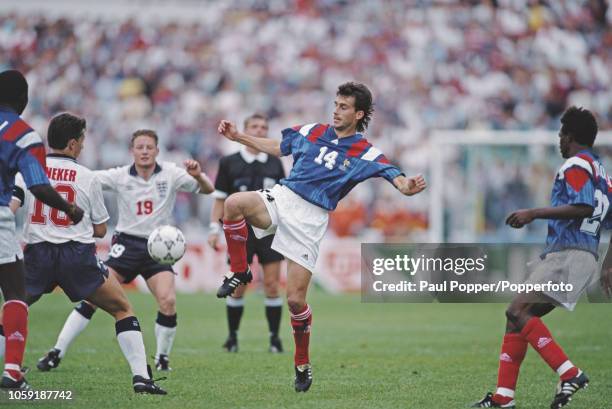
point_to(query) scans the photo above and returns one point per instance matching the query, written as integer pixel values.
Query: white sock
(165, 330)
(74, 325)
(2, 346)
(165, 339)
(132, 345)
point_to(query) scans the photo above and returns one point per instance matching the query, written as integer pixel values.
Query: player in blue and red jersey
(579, 206)
(329, 160)
(21, 150)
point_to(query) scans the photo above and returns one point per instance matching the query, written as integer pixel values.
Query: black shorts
(261, 247)
(73, 266)
(129, 257)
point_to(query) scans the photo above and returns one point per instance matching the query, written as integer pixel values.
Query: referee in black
(249, 170)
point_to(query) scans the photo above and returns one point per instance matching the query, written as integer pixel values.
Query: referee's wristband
(214, 228)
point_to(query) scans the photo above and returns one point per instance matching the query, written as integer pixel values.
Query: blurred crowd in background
(431, 64)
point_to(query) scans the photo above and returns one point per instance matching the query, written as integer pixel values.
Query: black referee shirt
(243, 171)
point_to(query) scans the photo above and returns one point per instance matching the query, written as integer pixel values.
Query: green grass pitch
(364, 356)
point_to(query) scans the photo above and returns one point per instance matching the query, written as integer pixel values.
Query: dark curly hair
(13, 90)
(580, 124)
(363, 101)
(64, 127)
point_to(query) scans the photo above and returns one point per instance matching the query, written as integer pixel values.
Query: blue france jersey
(326, 168)
(581, 180)
(21, 150)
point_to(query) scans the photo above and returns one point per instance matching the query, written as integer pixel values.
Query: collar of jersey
(250, 158)
(589, 151)
(60, 156)
(134, 173)
(350, 139)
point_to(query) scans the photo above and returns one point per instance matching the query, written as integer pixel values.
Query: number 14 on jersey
(329, 158)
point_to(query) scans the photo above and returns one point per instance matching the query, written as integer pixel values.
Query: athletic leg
(14, 321)
(76, 322)
(234, 310)
(112, 299)
(298, 279)
(273, 302)
(523, 313)
(163, 289)
(239, 209)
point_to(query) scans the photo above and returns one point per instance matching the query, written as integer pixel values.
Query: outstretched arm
(269, 146)
(525, 216)
(48, 195)
(195, 170)
(410, 185)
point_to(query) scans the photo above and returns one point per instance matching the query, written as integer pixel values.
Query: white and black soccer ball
(166, 245)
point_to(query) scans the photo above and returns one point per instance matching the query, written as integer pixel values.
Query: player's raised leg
(163, 289)
(273, 303)
(239, 209)
(14, 323)
(76, 322)
(298, 279)
(112, 299)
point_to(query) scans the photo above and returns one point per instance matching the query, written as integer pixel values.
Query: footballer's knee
(270, 288)
(167, 303)
(119, 308)
(517, 316)
(122, 305)
(295, 303)
(511, 328)
(232, 208)
(511, 315)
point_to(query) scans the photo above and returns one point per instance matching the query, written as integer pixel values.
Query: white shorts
(298, 226)
(575, 267)
(10, 250)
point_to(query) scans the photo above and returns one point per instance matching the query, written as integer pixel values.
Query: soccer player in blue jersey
(329, 160)
(21, 150)
(579, 205)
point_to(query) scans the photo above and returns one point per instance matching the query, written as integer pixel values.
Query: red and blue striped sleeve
(288, 137)
(293, 137)
(30, 158)
(378, 164)
(578, 175)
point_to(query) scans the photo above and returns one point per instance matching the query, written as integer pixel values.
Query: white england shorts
(10, 249)
(575, 267)
(298, 225)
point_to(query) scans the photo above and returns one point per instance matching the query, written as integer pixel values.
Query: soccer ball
(166, 245)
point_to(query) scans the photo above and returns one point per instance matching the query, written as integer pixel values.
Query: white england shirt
(146, 204)
(77, 184)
